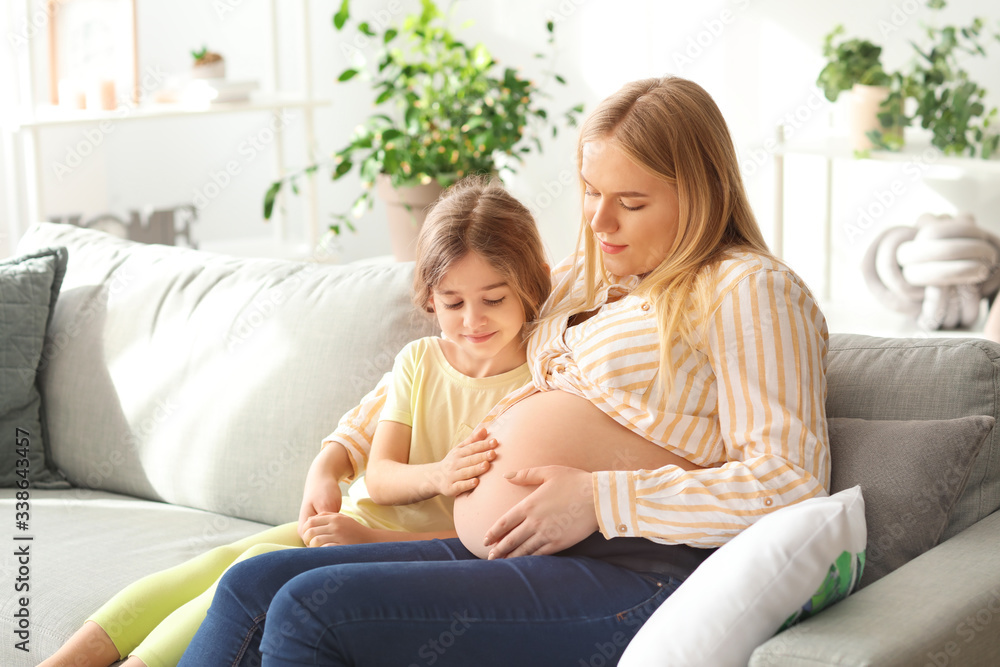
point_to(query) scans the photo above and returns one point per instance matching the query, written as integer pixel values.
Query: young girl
(481, 271)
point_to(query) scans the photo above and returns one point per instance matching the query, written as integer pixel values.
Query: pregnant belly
(550, 428)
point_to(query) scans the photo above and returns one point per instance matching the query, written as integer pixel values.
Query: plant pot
(863, 114)
(212, 70)
(405, 210)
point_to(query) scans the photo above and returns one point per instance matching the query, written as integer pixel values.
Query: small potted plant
(443, 109)
(207, 64)
(934, 86)
(855, 65)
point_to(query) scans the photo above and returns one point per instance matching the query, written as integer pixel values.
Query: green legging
(156, 617)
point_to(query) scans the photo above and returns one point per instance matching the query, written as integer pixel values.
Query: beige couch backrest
(205, 380)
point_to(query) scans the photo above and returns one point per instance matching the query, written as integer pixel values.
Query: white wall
(759, 59)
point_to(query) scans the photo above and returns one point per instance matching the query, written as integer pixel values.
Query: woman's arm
(392, 480)
(762, 434)
(321, 492)
(766, 344)
(356, 429)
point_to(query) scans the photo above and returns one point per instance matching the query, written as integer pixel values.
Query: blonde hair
(672, 128)
(478, 215)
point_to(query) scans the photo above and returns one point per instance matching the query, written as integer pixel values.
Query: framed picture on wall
(93, 53)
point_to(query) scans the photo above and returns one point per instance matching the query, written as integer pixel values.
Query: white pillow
(783, 568)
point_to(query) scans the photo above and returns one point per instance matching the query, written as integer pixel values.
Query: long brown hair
(478, 215)
(672, 128)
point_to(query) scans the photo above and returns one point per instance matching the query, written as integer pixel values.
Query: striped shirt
(747, 401)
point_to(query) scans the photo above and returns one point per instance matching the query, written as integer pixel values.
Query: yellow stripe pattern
(747, 401)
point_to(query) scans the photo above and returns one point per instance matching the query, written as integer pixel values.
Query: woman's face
(632, 213)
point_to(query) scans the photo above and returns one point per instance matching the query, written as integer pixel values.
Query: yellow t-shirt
(442, 407)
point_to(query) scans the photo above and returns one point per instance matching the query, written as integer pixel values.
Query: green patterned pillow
(29, 285)
(841, 580)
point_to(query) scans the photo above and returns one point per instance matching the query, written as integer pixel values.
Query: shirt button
(645, 306)
(622, 528)
(768, 502)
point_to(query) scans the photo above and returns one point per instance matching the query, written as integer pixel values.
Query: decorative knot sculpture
(938, 270)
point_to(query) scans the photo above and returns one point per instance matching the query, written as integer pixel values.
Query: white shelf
(22, 136)
(972, 178)
(50, 116)
(916, 149)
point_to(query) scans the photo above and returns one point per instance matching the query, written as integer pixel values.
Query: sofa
(183, 394)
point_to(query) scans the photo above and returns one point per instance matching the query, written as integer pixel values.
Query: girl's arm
(392, 480)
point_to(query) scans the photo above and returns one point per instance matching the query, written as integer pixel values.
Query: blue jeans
(404, 604)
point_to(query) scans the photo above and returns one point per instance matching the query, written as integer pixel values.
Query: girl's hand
(555, 516)
(322, 492)
(458, 472)
(328, 528)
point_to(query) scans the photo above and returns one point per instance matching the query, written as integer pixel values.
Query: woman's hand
(553, 517)
(460, 469)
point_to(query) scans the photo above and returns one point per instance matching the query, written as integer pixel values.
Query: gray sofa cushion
(932, 378)
(29, 287)
(911, 474)
(210, 381)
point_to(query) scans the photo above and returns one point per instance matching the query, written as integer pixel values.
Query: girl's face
(482, 316)
(632, 214)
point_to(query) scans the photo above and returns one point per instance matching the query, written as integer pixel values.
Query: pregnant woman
(672, 332)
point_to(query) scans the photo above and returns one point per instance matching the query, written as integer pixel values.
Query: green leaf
(560, 79)
(347, 74)
(269, 197)
(340, 18)
(390, 34)
(366, 29)
(342, 169)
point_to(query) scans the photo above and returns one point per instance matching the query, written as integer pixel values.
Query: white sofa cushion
(209, 381)
(759, 580)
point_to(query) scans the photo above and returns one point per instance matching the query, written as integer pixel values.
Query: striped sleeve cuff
(614, 497)
(357, 455)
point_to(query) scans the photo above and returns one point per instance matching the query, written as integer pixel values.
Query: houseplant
(443, 109)
(207, 64)
(855, 65)
(934, 86)
(948, 102)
